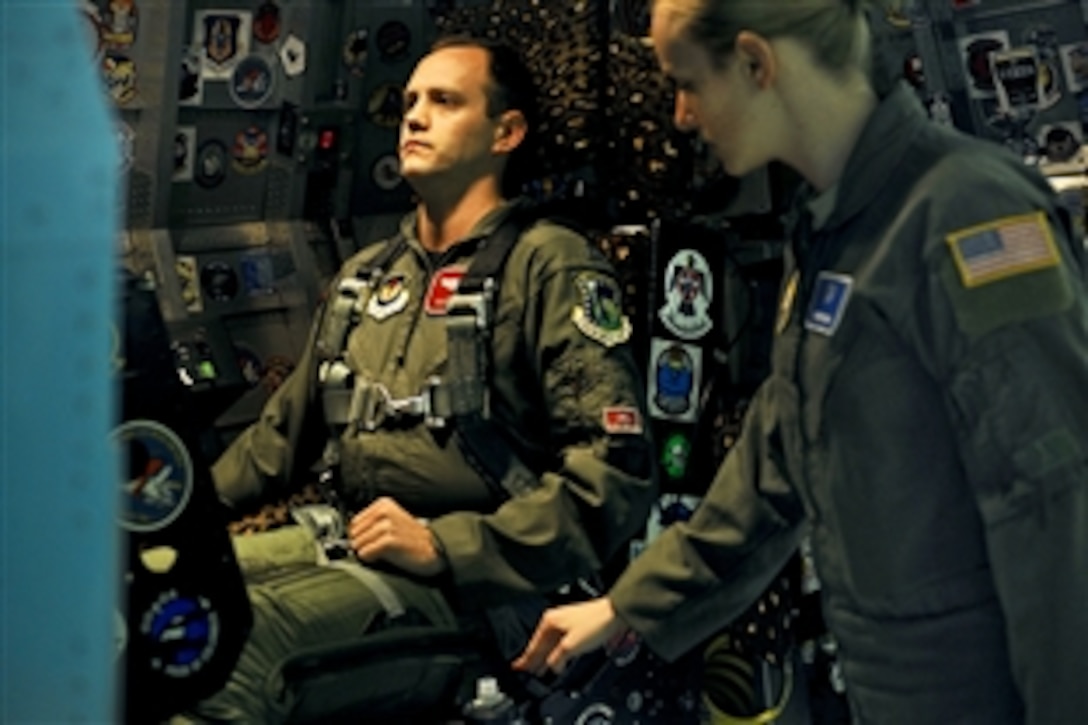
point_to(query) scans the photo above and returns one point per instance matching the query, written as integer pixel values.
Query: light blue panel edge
(58, 476)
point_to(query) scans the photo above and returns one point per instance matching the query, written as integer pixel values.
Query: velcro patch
(1003, 248)
(599, 311)
(621, 419)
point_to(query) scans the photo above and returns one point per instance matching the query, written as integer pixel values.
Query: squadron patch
(599, 314)
(675, 455)
(181, 633)
(830, 297)
(158, 475)
(689, 290)
(674, 380)
(390, 298)
(1003, 248)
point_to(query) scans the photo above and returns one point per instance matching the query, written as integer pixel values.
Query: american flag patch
(1003, 248)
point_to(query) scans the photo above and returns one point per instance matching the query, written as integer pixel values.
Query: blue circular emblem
(675, 376)
(251, 82)
(158, 475)
(183, 632)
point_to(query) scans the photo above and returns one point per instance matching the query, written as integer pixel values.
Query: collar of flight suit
(487, 224)
(877, 154)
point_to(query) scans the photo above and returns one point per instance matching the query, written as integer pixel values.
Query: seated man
(435, 522)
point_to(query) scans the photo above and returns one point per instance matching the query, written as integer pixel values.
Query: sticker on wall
(353, 55)
(119, 21)
(293, 56)
(224, 36)
(258, 274)
(675, 454)
(689, 290)
(384, 107)
(266, 23)
(1075, 64)
(975, 51)
(158, 475)
(119, 72)
(93, 28)
(1060, 142)
(189, 282)
(182, 633)
(250, 150)
(211, 164)
(126, 144)
(251, 82)
(219, 281)
(393, 41)
(386, 172)
(249, 363)
(674, 380)
(184, 153)
(190, 78)
(1017, 80)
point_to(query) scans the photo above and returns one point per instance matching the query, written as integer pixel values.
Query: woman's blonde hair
(836, 30)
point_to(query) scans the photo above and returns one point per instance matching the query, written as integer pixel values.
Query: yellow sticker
(1003, 248)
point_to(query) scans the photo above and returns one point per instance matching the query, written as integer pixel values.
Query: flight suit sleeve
(1009, 341)
(598, 493)
(273, 453)
(700, 574)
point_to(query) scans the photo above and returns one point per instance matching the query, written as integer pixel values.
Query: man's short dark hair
(512, 88)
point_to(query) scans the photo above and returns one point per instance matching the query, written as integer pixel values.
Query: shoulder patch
(598, 313)
(1003, 248)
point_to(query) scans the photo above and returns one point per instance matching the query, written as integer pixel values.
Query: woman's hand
(568, 631)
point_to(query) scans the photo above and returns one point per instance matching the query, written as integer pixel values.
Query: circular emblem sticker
(393, 40)
(211, 164)
(384, 106)
(251, 82)
(158, 478)
(183, 632)
(354, 52)
(386, 172)
(220, 281)
(689, 290)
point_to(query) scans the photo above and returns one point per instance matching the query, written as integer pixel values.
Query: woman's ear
(510, 131)
(758, 57)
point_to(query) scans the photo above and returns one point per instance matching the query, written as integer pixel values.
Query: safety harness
(460, 399)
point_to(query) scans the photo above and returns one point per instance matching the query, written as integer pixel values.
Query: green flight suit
(926, 422)
(565, 388)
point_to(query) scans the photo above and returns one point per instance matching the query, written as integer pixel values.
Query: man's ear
(758, 56)
(510, 131)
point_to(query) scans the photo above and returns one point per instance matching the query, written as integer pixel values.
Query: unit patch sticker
(674, 380)
(184, 153)
(119, 21)
(1003, 248)
(689, 290)
(443, 286)
(190, 80)
(293, 56)
(830, 296)
(250, 150)
(119, 72)
(675, 454)
(390, 298)
(182, 633)
(621, 419)
(158, 475)
(266, 23)
(211, 164)
(599, 312)
(251, 82)
(224, 35)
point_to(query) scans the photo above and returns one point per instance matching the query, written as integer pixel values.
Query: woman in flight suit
(926, 417)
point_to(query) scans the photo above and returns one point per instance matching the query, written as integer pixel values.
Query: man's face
(446, 133)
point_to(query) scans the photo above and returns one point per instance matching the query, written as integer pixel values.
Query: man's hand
(384, 531)
(568, 631)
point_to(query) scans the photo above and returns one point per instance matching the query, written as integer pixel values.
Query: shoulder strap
(482, 439)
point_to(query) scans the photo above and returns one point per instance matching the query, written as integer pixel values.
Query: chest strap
(461, 398)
